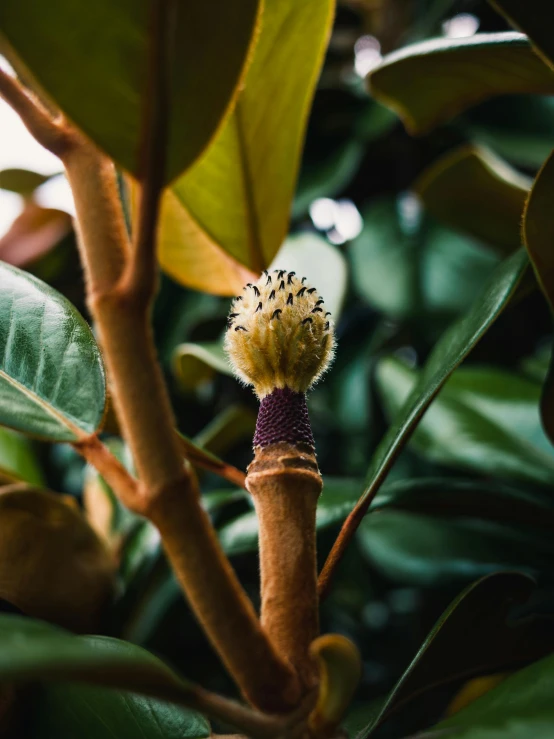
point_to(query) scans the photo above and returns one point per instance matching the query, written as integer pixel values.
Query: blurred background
(401, 275)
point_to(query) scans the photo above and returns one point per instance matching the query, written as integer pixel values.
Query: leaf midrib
(253, 223)
(43, 405)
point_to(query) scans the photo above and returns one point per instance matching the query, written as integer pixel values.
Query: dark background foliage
(410, 275)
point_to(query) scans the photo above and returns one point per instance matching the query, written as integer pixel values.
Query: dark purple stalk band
(283, 416)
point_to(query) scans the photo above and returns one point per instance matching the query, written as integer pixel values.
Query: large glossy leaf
(52, 381)
(519, 128)
(474, 191)
(405, 266)
(18, 462)
(473, 636)
(92, 60)
(485, 420)
(431, 551)
(68, 711)
(36, 651)
(462, 498)
(519, 708)
(448, 353)
(535, 18)
(435, 531)
(235, 202)
(429, 82)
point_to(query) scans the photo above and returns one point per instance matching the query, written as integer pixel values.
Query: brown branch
(200, 457)
(51, 133)
(125, 486)
(93, 180)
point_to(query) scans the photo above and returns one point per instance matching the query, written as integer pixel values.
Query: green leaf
(538, 234)
(472, 637)
(461, 498)
(67, 711)
(519, 708)
(486, 420)
(433, 551)
(36, 651)
(92, 61)
(232, 425)
(234, 204)
(538, 228)
(240, 535)
(52, 382)
(18, 462)
(197, 363)
(472, 190)
(21, 181)
(435, 531)
(405, 266)
(519, 128)
(535, 18)
(449, 352)
(430, 82)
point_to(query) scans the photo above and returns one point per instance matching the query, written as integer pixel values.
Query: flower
(279, 334)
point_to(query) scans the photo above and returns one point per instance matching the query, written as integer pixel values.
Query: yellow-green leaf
(232, 207)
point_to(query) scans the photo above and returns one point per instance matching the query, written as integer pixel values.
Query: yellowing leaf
(235, 201)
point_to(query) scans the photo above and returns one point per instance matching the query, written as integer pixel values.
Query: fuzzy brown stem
(285, 484)
(167, 493)
(225, 618)
(100, 223)
(111, 469)
(51, 133)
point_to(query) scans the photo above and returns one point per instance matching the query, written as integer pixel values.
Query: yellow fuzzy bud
(279, 334)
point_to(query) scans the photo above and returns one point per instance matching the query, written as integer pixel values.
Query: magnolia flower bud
(279, 335)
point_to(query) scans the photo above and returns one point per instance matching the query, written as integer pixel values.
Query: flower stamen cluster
(279, 334)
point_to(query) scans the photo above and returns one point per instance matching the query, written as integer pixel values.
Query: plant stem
(111, 469)
(167, 493)
(50, 132)
(285, 484)
(208, 461)
(93, 180)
